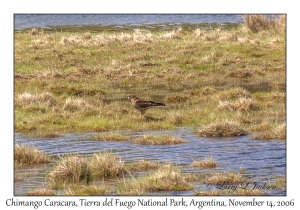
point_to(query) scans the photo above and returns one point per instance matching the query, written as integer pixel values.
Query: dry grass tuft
(258, 23)
(176, 119)
(176, 98)
(280, 182)
(75, 104)
(84, 190)
(233, 93)
(142, 165)
(241, 73)
(26, 99)
(261, 127)
(245, 192)
(106, 164)
(277, 133)
(27, 156)
(71, 169)
(18, 178)
(112, 136)
(222, 129)
(225, 177)
(241, 104)
(41, 192)
(208, 193)
(172, 34)
(74, 169)
(33, 32)
(198, 32)
(207, 163)
(165, 178)
(158, 140)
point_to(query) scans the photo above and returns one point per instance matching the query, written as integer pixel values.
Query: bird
(143, 105)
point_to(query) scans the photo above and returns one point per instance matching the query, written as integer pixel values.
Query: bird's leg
(142, 112)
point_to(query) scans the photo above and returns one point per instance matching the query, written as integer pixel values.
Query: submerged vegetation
(79, 81)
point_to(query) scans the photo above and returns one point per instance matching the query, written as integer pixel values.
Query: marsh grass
(74, 169)
(166, 178)
(233, 93)
(111, 136)
(207, 193)
(106, 164)
(78, 80)
(176, 118)
(176, 98)
(28, 156)
(279, 132)
(207, 163)
(41, 192)
(246, 192)
(142, 165)
(263, 126)
(225, 177)
(280, 182)
(222, 129)
(71, 169)
(84, 190)
(241, 104)
(18, 178)
(164, 139)
(26, 99)
(258, 23)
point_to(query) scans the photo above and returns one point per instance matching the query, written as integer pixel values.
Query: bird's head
(131, 96)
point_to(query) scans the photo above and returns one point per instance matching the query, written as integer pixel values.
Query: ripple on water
(264, 160)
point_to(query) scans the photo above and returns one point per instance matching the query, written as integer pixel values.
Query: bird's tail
(159, 104)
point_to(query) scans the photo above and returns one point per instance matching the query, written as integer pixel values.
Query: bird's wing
(145, 104)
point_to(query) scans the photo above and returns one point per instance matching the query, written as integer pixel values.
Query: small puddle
(261, 160)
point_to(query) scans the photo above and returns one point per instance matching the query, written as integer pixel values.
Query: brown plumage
(143, 105)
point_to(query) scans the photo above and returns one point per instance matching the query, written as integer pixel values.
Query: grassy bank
(79, 81)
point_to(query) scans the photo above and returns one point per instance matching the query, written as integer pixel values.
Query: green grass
(79, 80)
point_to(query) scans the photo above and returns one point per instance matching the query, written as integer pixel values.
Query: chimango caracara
(143, 105)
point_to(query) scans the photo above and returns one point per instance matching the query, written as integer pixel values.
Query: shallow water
(261, 160)
(120, 21)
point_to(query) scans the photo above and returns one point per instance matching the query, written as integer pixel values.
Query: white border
(154, 6)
